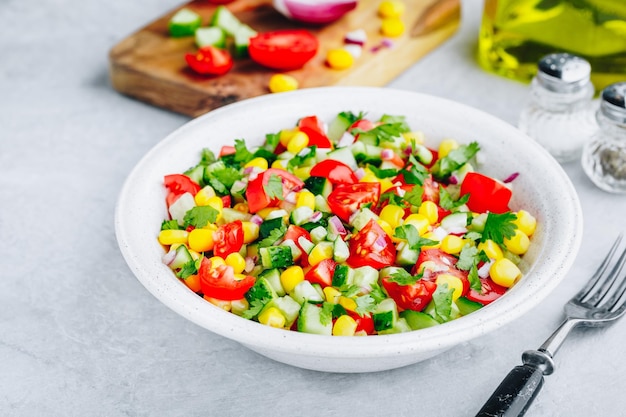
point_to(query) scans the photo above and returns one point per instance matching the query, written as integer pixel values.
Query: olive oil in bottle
(516, 34)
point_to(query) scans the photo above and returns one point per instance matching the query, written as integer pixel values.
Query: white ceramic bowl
(541, 188)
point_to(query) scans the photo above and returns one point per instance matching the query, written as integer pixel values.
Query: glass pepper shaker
(604, 156)
(559, 113)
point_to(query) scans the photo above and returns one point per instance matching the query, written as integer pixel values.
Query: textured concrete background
(79, 336)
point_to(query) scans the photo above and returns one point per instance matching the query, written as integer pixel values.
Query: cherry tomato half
(414, 296)
(371, 246)
(485, 193)
(489, 292)
(210, 60)
(220, 282)
(228, 239)
(337, 172)
(345, 199)
(314, 129)
(283, 49)
(256, 195)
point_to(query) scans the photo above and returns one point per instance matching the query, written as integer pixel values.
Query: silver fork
(600, 302)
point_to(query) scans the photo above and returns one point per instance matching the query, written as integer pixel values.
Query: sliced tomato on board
(257, 196)
(283, 49)
(346, 199)
(371, 246)
(322, 273)
(210, 60)
(337, 172)
(485, 193)
(228, 239)
(489, 292)
(220, 282)
(314, 129)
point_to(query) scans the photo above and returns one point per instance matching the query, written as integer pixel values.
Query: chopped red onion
(483, 271)
(291, 197)
(386, 154)
(356, 37)
(453, 179)
(249, 264)
(388, 43)
(379, 244)
(337, 227)
(169, 257)
(346, 139)
(256, 219)
(316, 217)
(354, 50)
(314, 11)
(511, 177)
(359, 173)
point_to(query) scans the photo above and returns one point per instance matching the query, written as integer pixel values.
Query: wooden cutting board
(149, 65)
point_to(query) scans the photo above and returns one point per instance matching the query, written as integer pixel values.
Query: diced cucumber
(305, 292)
(365, 277)
(230, 215)
(268, 225)
(276, 256)
(238, 190)
(338, 126)
(305, 244)
(210, 36)
(366, 154)
(277, 214)
(195, 173)
(318, 234)
(301, 215)
(402, 326)
(184, 23)
(369, 138)
(225, 20)
(310, 320)
(423, 154)
(362, 218)
(388, 271)
(478, 223)
(406, 256)
(273, 278)
(321, 204)
(418, 320)
(262, 289)
(342, 275)
(287, 306)
(242, 40)
(341, 252)
(432, 311)
(454, 221)
(467, 306)
(180, 207)
(463, 171)
(296, 253)
(182, 257)
(343, 155)
(318, 185)
(386, 315)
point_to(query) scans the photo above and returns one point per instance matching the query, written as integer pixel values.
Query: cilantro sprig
(409, 233)
(200, 216)
(499, 226)
(444, 167)
(402, 277)
(274, 187)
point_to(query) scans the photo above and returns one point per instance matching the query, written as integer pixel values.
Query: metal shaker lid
(613, 104)
(563, 72)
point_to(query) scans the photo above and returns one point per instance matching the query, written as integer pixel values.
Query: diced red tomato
(228, 239)
(337, 172)
(431, 190)
(414, 296)
(227, 150)
(489, 292)
(295, 233)
(220, 282)
(371, 246)
(179, 184)
(226, 201)
(283, 49)
(362, 125)
(210, 60)
(314, 129)
(322, 273)
(443, 263)
(363, 323)
(257, 197)
(486, 194)
(346, 199)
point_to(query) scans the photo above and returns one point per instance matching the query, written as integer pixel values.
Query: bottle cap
(563, 72)
(613, 104)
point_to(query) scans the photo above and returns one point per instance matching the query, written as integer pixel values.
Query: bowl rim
(251, 333)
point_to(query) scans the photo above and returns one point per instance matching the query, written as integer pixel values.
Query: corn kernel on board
(149, 65)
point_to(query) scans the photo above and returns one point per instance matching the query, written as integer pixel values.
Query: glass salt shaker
(559, 114)
(604, 157)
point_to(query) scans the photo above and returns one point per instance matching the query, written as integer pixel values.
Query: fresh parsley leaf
(200, 216)
(338, 311)
(391, 198)
(409, 233)
(274, 236)
(387, 132)
(271, 141)
(414, 196)
(242, 154)
(255, 308)
(383, 173)
(473, 235)
(274, 187)
(326, 314)
(447, 202)
(416, 173)
(499, 226)
(265, 154)
(365, 304)
(469, 258)
(190, 268)
(301, 158)
(442, 298)
(222, 176)
(169, 225)
(402, 277)
(444, 167)
(377, 293)
(349, 290)
(474, 279)
(399, 121)
(351, 117)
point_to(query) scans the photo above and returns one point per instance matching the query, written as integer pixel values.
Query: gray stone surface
(80, 336)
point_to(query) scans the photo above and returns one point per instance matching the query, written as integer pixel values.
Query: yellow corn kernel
(429, 210)
(392, 27)
(280, 83)
(369, 177)
(432, 236)
(305, 199)
(223, 304)
(491, 248)
(392, 214)
(216, 261)
(339, 59)
(250, 231)
(452, 244)
(239, 306)
(171, 236)
(446, 146)
(291, 277)
(414, 137)
(236, 261)
(385, 184)
(202, 197)
(298, 141)
(453, 282)
(263, 213)
(391, 8)
(240, 276)
(201, 240)
(217, 203)
(504, 272)
(272, 317)
(331, 294)
(347, 303)
(419, 221)
(526, 222)
(344, 326)
(302, 172)
(285, 135)
(518, 243)
(321, 251)
(242, 207)
(194, 255)
(388, 229)
(257, 162)
(280, 164)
